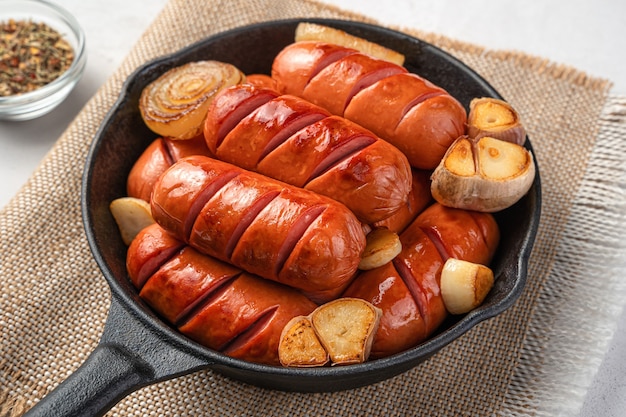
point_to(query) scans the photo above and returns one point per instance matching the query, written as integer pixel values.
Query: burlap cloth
(538, 358)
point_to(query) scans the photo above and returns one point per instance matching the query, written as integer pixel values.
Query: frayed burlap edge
(577, 310)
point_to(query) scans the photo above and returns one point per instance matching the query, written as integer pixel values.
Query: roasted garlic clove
(486, 175)
(382, 245)
(175, 104)
(464, 285)
(346, 328)
(131, 215)
(494, 118)
(306, 31)
(299, 345)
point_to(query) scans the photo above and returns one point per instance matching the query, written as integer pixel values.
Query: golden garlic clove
(346, 328)
(132, 215)
(299, 345)
(382, 245)
(486, 175)
(460, 158)
(495, 118)
(464, 285)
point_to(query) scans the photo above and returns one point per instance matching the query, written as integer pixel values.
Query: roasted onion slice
(175, 104)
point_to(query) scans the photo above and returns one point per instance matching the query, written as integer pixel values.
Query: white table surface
(589, 35)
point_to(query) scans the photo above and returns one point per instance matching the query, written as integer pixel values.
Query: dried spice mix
(32, 55)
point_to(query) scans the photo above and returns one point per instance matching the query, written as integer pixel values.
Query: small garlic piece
(464, 285)
(495, 118)
(131, 215)
(382, 245)
(299, 345)
(346, 328)
(485, 175)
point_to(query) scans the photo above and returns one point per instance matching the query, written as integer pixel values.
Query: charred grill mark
(296, 232)
(153, 265)
(328, 59)
(411, 283)
(340, 154)
(169, 157)
(421, 288)
(203, 197)
(261, 322)
(288, 130)
(480, 223)
(211, 294)
(435, 237)
(252, 212)
(370, 79)
(419, 100)
(241, 111)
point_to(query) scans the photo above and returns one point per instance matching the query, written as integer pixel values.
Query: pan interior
(123, 136)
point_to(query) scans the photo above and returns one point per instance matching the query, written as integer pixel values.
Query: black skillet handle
(128, 357)
(107, 375)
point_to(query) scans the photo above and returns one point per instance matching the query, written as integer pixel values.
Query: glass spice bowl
(32, 104)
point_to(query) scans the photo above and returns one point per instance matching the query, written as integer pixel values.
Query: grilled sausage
(407, 289)
(419, 118)
(156, 158)
(266, 227)
(211, 302)
(262, 81)
(292, 140)
(419, 198)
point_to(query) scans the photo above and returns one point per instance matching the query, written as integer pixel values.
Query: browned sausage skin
(211, 302)
(292, 140)
(407, 289)
(156, 158)
(150, 249)
(418, 117)
(419, 198)
(153, 161)
(252, 309)
(262, 81)
(263, 226)
(294, 67)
